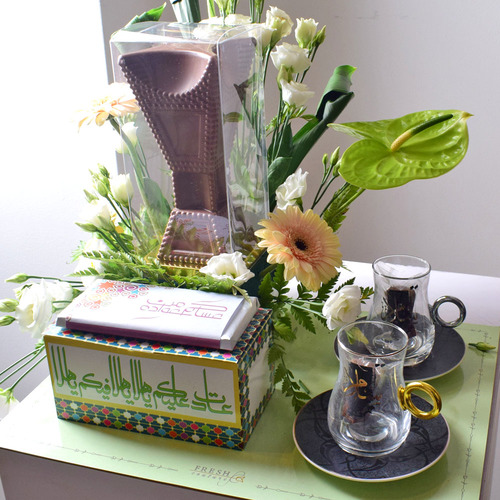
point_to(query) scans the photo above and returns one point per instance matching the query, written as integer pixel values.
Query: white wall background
(410, 56)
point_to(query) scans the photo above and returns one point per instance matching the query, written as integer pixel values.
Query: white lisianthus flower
(122, 189)
(263, 34)
(98, 214)
(94, 244)
(280, 21)
(7, 402)
(305, 31)
(130, 130)
(291, 57)
(60, 291)
(295, 93)
(228, 265)
(35, 309)
(342, 307)
(294, 187)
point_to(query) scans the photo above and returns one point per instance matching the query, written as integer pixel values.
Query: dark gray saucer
(425, 445)
(447, 353)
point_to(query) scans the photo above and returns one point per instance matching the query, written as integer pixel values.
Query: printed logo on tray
(205, 393)
(222, 476)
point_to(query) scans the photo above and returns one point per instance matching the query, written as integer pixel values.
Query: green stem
(33, 355)
(293, 304)
(27, 371)
(117, 210)
(72, 282)
(211, 8)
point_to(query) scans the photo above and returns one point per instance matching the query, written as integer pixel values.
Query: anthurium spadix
(391, 153)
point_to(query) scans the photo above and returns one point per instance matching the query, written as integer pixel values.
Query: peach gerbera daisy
(304, 243)
(118, 100)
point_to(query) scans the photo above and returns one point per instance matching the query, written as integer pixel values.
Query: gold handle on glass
(404, 395)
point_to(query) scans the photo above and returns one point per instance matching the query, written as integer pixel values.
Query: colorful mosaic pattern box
(189, 394)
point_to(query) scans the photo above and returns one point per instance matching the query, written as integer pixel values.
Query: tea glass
(370, 408)
(401, 284)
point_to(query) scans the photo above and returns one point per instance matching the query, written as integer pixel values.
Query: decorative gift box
(201, 131)
(164, 314)
(184, 393)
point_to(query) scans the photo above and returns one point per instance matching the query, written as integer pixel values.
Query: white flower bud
(122, 189)
(305, 31)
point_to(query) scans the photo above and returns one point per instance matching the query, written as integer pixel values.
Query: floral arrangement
(300, 248)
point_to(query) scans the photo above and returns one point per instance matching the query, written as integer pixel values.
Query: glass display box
(199, 162)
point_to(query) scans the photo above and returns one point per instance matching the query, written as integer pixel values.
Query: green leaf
(186, 11)
(304, 318)
(150, 15)
(420, 145)
(266, 298)
(158, 207)
(284, 331)
(276, 351)
(326, 288)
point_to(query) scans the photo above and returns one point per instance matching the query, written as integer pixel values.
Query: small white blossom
(291, 57)
(280, 21)
(305, 31)
(294, 188)
(228, 265)
(98, 214)
(295, 93)
(7, 402)
(342, 307)
(263, 34)
(122, 189)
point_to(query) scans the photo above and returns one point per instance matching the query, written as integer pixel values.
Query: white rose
(291, 57)
(228, 265)
(305, 31)
(295, 94)
(294, 187)
(35, 309)
(342, 307)
(7, 402)
(280, 21)
(130, 131)
(122, 189)
(98, 214)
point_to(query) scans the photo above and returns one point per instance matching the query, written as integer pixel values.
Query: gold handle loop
(404, 396)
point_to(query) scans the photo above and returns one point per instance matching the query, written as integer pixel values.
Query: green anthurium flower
(391, 153)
